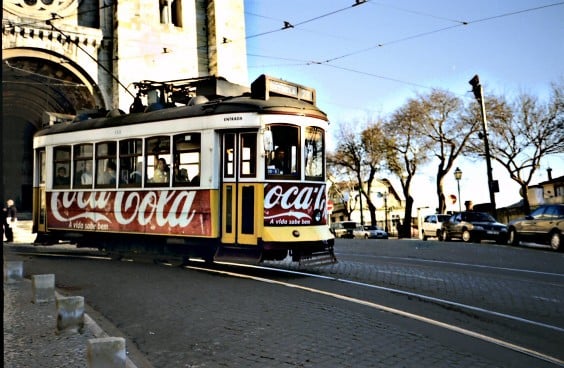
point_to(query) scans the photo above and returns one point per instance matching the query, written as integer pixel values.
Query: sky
(366, 61)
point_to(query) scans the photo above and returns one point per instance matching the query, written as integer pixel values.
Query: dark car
(473, 226)
(544, 225)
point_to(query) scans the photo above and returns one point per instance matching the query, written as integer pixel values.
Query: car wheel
(439, 234)
(555, 240)
(424, 236)
(513, 238)
(466, 236)
(366, 236)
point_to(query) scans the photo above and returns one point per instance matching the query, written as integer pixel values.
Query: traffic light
(476, 87)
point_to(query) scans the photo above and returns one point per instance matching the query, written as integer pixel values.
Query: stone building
(62, 57)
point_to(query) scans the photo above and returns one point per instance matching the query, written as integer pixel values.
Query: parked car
(545, 225)
(369, 232)
(475, 227)
(343, 229)
(375, 232)
(432, 225)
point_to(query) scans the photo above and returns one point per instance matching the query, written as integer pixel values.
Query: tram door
(240, 191)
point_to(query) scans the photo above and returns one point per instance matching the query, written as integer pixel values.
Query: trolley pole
(492, 185)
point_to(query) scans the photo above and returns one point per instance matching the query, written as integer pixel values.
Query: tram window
(313, 152)
(186, 168)
(61, 167)
(42, 161)
(106, 164)
(248, 154)
(229, 155)
(284, 159)
(130, 162)
(83, 165)
(157, 160)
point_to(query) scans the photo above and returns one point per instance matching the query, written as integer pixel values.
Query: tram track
(277, 276)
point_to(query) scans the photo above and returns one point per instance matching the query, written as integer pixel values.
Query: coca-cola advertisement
(294, 204)
(178, 212)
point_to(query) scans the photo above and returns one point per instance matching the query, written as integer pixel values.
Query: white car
(369, 232)
(432, 225)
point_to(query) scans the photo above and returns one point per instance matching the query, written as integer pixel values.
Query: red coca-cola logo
(172, 212)
(294, 204)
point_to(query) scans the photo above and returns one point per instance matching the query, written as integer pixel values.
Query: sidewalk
(30, 332)
(30, 329)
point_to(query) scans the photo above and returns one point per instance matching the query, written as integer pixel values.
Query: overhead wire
(459, 23)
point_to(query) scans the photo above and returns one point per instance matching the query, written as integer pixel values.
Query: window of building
(176, 12)
(106, 164)
(157, 160)
(83, 174)
(283, 160)
(61, 167)
(170, 12)
(314, 153)
(131, 162)
(187, 153)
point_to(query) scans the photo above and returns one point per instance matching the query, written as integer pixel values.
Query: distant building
(550, 191)
(390, 207)
(547, 192)
(63, 57)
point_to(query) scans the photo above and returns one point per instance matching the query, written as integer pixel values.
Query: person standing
(3, 221)
(11, 220)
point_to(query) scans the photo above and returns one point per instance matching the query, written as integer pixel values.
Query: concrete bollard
(70, 314)
(106, 352)
(43, 288)
(13, 271)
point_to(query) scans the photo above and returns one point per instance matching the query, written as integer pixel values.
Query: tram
(198, 168)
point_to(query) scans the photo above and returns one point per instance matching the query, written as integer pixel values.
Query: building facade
(63, 57)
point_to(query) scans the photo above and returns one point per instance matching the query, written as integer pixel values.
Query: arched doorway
(35, 82)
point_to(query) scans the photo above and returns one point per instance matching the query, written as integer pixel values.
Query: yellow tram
(198, 168)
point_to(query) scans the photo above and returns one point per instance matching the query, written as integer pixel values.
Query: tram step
(237, 255)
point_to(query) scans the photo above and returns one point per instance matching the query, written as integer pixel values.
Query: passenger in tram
(161, 172)
(135, 176)
(62, 178)
(110, 174)
(180, 175)
(86, 177)
(279, 160)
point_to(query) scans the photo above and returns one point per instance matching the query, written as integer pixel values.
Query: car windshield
(443, 218)
(479, 217)
(349, 225)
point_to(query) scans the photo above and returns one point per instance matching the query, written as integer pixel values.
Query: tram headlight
(296, 233)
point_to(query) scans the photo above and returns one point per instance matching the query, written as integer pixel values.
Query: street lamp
(385, 196)
(458, 176)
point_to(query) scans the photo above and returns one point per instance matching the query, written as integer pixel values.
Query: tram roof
(230, 105)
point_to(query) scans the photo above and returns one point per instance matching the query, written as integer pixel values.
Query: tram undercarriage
(182, 250)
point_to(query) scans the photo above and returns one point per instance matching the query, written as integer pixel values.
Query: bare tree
(522, 133)
(407, 150)
(360, 155)
(438, 116)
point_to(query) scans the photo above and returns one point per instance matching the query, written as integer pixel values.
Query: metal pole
(479, 94)
(487, 149)
(459, 198)
(386, 210)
